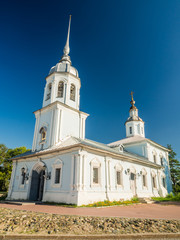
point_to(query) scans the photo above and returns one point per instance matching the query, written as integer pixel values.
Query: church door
(37, 185)
(133, 183)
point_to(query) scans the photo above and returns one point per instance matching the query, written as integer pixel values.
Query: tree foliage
(6, 164)
(174, 169)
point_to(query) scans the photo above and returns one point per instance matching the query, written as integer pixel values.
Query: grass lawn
(113, 203)
(169, 198)
(97, 204)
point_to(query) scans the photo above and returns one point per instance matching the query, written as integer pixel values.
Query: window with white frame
(118, 175)
(154, 158)
(161, 160)
(23, 176)
(95, 175)
(118, 178)
(95, 172)
(48, 96)
(164, 181)
(60, 89)
(130, 130)
(72, 92)
(144, 178)
(57, 173)
(43, 132)
(154, 184)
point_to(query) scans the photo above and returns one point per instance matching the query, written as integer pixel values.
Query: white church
(63, 166)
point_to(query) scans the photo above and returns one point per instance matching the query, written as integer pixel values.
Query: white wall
(60, 122)
(76, 180)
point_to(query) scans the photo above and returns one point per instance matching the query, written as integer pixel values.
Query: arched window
(161, 160)
(154, 184)
(72, 92)
(60, 89)
(154, 158)
(164, 181)
(119, 176)
(144, 178)
(95, 172)
(43, 131)
(49, 91)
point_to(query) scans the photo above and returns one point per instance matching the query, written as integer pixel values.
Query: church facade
(63, 166)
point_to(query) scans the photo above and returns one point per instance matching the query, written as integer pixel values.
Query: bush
(4, 196)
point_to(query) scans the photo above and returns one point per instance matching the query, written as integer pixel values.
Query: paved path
(155, 211)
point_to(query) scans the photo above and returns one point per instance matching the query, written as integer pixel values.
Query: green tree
(6, 164)
(174, 169)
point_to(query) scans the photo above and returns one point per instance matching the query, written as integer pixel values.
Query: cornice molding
(51, 105)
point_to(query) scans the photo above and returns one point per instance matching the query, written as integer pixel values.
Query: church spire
(66, 50)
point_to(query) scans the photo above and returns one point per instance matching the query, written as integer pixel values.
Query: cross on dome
(132, 101)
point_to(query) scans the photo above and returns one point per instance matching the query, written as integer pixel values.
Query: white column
(10, 190)
(78, 172)
(109, 173)
(36, 131)
(44, 98)
(60, 125)
(67, 93)
(83, 129)
(83, 172)
(80, 125)
(106, 177)
(72, 174)
(77, 98)
(57, 125)
(53, 91)
(51, 128)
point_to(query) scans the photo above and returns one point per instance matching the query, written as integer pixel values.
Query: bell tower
(63, 82)
(60, 116)
(134, 124)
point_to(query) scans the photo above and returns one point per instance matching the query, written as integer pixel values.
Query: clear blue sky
(116, 45)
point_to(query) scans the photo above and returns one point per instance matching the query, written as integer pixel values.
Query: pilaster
(35, 132)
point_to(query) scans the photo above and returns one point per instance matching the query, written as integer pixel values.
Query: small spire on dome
(132, 101)
(66, 50)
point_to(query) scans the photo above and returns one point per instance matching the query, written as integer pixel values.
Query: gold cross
(131, 95)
